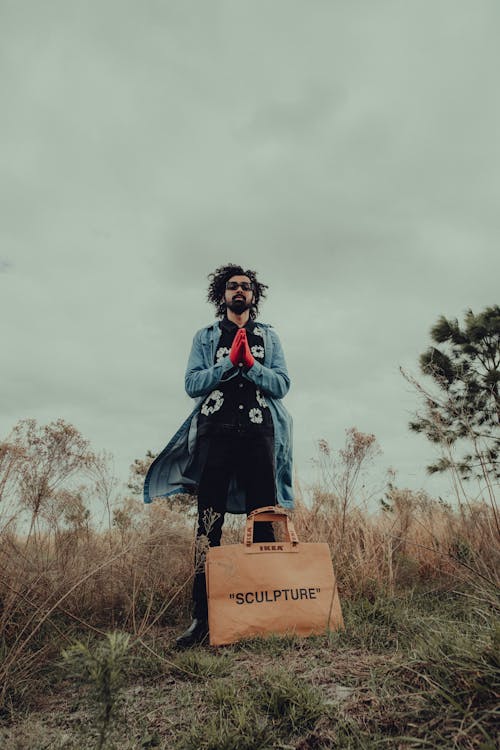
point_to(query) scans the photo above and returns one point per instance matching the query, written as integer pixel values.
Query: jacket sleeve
(200, 379)
(273, 380)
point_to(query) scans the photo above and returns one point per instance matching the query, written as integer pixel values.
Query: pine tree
(464, 413)
(138, 471)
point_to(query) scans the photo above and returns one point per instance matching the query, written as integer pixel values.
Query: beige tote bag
(255, 589)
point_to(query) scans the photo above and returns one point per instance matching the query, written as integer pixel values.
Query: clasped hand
(240, 351)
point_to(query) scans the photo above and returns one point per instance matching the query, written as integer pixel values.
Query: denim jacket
(166, 474)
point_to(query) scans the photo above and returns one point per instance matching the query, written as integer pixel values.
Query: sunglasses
(245, 285)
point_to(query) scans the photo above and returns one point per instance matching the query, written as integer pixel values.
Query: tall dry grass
(412, 540)
(66, 581)
(65, 576)
(139, 578)
(415, 541)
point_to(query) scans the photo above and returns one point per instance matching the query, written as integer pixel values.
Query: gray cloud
(350, 154)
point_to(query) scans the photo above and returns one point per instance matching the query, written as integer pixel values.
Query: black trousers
(251, 457)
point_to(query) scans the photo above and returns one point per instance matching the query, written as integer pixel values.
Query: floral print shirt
(236, 405)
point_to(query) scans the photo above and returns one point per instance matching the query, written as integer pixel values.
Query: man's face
(237, 299)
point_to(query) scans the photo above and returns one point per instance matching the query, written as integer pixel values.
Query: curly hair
(217, 288)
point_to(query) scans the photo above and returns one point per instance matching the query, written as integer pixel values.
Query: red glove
(240, 351)
(246, 355)
(236, 353)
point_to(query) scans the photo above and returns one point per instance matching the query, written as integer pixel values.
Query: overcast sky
(347, 151)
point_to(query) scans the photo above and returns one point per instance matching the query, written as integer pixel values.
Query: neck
(240, 320)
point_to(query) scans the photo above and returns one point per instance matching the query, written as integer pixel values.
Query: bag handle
(270, 513)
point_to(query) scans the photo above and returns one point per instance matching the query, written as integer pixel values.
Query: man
(235, 448)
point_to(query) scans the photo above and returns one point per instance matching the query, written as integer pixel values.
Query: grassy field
(414, 671)
(88, 621)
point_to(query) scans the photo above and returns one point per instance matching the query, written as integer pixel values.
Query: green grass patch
(255, 713)
(414, 671)
(197, 663)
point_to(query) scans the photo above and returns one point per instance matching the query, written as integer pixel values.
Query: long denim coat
(166, 475)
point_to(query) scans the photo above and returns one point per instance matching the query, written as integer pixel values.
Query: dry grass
(55, 584)
(307, 694)
(138, 577)
(415, 541)
(419, 582)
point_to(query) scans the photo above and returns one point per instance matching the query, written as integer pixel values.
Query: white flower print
(260, 399)
(255, 416)
(258, 331)
(257, 351)
(221, 353)
(218, 400)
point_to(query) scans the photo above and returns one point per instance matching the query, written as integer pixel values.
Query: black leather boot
(196, 633)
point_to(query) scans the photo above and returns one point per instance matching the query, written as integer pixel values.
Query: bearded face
(237, 297)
